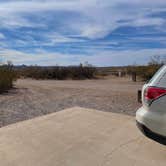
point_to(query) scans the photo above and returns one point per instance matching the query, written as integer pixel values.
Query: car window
(156, 74)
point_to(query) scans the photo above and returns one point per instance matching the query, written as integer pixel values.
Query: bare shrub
(146, 72)
(58, 72)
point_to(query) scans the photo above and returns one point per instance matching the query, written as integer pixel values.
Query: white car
(151, 117)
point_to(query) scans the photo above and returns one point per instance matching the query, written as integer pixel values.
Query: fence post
(134, 77)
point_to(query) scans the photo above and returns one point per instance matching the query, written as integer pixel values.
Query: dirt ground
(32, 98)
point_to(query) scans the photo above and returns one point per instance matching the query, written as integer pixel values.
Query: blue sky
(67, 32)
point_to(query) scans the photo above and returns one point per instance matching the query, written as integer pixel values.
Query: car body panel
(152, 120)
(153, 115)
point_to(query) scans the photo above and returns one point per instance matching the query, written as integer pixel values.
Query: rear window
(162, 82)
(157, 74)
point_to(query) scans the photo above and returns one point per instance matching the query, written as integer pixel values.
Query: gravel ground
(32, 98)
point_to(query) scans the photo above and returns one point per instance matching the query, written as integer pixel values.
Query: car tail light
(152, 93)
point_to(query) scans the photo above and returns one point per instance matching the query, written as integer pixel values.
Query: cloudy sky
(67, 32)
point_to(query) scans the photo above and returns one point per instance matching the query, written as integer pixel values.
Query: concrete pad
(78, 137)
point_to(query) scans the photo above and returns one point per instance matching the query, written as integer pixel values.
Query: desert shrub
(7, 76)
(58, 73)
(149, 72)
(144, 72)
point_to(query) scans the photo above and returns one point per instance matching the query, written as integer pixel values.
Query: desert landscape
(82, 83)
(32, 98)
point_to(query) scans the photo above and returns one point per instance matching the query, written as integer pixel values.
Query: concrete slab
(78, 137)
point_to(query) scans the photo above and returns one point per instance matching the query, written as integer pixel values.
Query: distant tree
(87, 64)
(155, 60)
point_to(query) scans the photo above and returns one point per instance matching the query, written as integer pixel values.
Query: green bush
(7, 76)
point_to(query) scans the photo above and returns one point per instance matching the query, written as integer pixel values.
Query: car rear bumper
(153, 120)
(150, 134)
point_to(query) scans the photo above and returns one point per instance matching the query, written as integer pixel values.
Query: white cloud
(55, 38)
(100, 16)
(148, 22)
(93, 19)
(2, 36)
(14, 20)
(124, 57)
(100, 58)
(94, 31)
(39, 5)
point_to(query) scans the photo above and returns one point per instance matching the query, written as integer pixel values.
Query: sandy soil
(32, 98)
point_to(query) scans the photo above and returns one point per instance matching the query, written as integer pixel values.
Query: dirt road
(32, 98)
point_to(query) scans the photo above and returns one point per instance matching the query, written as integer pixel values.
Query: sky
(69, 32)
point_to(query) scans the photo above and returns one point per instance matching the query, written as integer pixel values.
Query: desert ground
(32, 98)
(103, 136)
